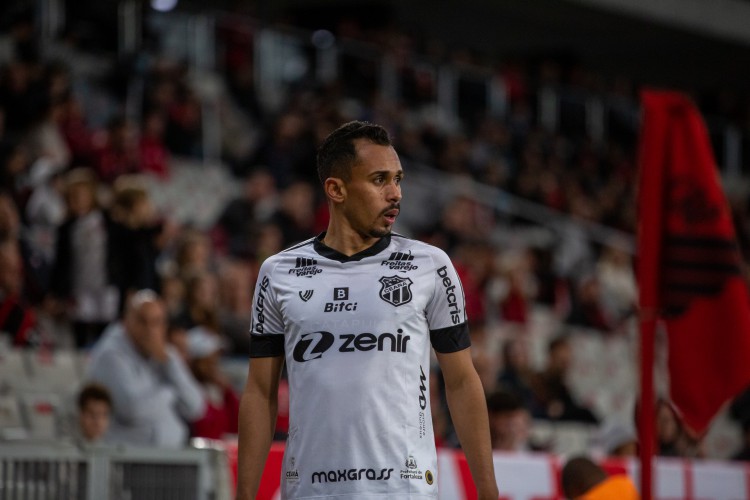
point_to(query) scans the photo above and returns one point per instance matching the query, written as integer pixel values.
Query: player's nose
(393, 194)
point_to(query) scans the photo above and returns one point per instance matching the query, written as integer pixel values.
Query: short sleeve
(446, 310)
(267, 325)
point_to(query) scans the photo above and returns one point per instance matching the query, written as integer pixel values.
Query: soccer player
(353, 313)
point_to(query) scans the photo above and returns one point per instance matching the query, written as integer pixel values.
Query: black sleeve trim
(451, 339)
(266, 346)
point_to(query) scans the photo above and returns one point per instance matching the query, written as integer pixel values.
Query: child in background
(94, 410)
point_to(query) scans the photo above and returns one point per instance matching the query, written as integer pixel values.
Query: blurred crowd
(81, 239)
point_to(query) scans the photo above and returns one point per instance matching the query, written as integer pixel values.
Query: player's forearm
(469, 414)
(257, 421)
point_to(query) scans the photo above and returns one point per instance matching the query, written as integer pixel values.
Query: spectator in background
(94, 412)
(173, 293)
(222, 403)
(14, 163)
(86, 268)
(138, 232)
(183, 130)
(241, 216)
(20, 91)
(289, 151)
(17, 320)
(153, 152)
(153, 391)
(45, 140)
(619, 290)
(78, 136)
(588, 308)
(517, 375)
(201, 303)
(193, 254)
(509, 422)
(236, 285)
(673, 438)
(551, 387)
(582, 479)
(45, 211)
(116, 151)
(295, 216)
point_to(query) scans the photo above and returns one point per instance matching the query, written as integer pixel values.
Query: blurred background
(191, 129)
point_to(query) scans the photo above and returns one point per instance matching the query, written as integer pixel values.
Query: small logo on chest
(400, 261)
(341, 301)
(305, 267)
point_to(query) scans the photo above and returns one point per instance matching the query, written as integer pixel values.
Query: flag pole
(652, 158)
(646, 420)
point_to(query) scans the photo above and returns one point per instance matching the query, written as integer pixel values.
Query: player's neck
(341, 237)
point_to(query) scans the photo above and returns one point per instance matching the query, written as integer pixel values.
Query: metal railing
(52, 471)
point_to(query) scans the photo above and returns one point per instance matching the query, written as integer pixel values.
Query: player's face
(374, 191)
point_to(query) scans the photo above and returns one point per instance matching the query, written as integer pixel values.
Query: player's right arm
(259, 402)
(257, 421)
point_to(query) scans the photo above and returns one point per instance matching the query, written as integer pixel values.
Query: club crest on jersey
(306, 295)
(305, 267)
(395, 290)
(400, 261)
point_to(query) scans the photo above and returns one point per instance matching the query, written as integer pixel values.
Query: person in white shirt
(353, 313)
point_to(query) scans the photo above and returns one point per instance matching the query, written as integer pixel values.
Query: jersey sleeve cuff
(451, 339)
(266, 346)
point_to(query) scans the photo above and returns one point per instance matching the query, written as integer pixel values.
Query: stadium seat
(42, 411)
(11, 423)
(14, 373)
(54, 371)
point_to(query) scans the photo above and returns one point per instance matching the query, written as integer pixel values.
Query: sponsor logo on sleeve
(305, 267)
(260, 305)
(395, 290)
(422, 403)
(450, 295)
(400, 261)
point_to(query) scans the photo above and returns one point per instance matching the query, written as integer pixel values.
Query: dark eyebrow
(386, 172)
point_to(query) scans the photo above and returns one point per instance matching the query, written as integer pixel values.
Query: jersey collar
(329, 253)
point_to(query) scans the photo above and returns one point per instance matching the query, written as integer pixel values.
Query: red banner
(689, 263)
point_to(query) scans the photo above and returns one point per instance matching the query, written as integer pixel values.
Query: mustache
(397, 206)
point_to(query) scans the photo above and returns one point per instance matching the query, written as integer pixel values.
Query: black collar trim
(330, 253)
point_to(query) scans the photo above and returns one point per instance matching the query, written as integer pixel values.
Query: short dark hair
(93, 392)
(579, 475)
(337, 155)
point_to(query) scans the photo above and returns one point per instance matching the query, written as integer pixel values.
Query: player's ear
(335, 189)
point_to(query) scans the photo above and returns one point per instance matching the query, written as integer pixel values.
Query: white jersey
(356, 334)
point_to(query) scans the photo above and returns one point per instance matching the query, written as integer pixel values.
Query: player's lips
(390, 215)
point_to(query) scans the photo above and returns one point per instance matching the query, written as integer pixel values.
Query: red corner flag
(689, 263)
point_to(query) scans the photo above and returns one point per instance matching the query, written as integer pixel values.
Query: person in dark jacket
(86, 267)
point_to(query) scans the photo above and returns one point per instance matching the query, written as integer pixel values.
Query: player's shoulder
(298, 250)
(302, 247)
(403, 243)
